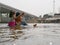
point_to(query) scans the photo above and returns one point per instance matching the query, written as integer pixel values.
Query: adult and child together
(15, 20)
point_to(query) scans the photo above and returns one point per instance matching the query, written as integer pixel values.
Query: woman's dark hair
(11, 13)
(17, 13)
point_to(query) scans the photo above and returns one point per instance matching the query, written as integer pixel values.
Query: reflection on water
(43, 34)
(6, 35)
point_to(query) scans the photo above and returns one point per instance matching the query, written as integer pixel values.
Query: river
(42, 34)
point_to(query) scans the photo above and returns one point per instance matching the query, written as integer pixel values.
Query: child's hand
(23, 13)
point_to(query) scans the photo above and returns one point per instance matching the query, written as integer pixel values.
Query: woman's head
(17, 13)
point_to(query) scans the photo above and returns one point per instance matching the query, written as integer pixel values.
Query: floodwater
(42, 34)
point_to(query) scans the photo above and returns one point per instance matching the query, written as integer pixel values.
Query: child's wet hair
(11, 13)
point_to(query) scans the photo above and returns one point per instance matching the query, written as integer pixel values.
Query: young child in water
(12, 22)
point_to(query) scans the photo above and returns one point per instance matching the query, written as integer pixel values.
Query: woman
(18, 20)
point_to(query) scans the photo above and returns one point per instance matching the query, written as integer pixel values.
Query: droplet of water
(14, 44)
(50, 43)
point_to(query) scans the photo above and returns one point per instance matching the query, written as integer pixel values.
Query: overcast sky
(36, 7)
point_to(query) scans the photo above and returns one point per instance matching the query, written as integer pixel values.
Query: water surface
(43, 34)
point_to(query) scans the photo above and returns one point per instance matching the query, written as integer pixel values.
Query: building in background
(5, 11)
(50, 19)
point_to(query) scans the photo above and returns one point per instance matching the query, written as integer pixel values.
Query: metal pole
(53, 7)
